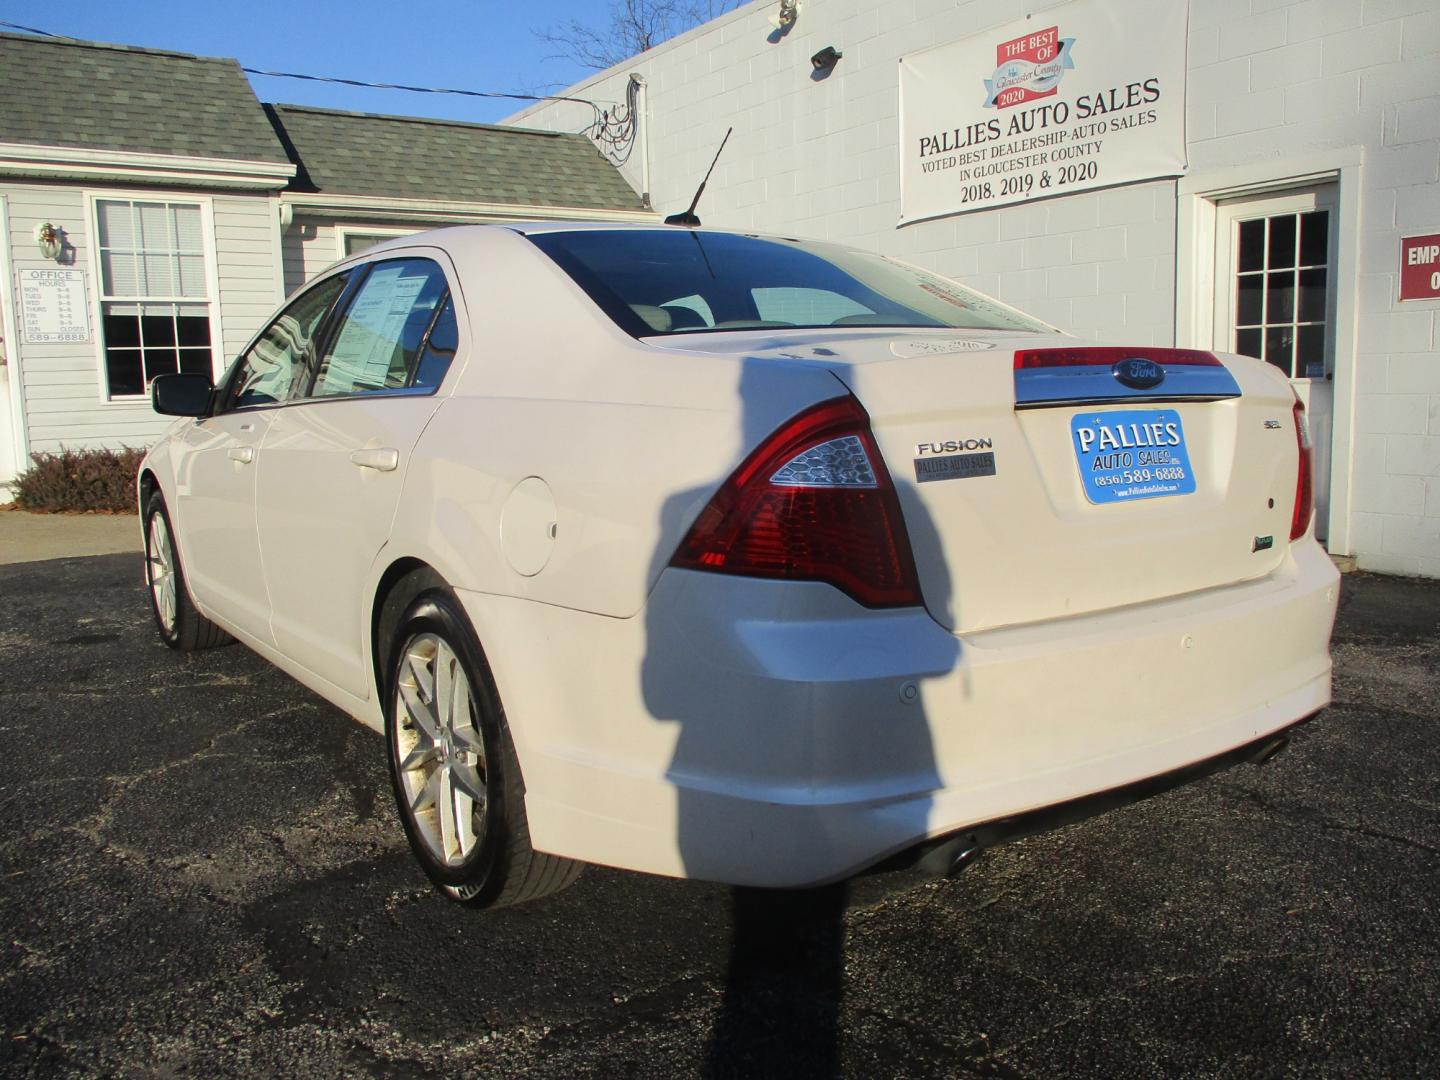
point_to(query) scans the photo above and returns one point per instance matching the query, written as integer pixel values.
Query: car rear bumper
(776, 734)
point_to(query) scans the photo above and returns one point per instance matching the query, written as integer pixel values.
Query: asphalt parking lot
(201, 874)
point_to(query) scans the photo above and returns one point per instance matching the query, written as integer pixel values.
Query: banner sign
(1086, 95)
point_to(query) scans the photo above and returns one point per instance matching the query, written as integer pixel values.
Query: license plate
(1124, 456)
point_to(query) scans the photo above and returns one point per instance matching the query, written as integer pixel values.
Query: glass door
(1275, 301)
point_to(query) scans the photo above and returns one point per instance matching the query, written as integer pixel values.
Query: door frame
(1316, 393)
(19, 437)
(1197, 198)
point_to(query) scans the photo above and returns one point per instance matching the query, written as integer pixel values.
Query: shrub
(78, 480)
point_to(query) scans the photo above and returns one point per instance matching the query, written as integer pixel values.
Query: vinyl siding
(64, 391)
(247, 267)
(310, 245)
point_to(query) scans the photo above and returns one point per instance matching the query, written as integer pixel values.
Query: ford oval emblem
(1138, 372)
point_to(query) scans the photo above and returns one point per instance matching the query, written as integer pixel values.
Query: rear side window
(382, 335)
(439, 348)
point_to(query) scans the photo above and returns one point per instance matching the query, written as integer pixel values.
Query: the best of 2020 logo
(1028, 68)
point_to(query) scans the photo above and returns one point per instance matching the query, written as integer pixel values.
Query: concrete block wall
(1268, 81)
(819, 158)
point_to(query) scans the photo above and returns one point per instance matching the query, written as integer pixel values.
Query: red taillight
(1304, 482)
(1104, 356)
(812, 503)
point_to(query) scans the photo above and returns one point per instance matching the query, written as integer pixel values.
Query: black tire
(426, 635)
(181, 626)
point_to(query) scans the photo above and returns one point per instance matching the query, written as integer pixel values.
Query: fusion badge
(1125, 456)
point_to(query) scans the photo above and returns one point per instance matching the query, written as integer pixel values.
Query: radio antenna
(688, 218)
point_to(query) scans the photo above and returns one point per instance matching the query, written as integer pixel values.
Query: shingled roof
(403, 157)
(62, 92)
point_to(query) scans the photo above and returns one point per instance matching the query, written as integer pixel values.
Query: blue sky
(467, 44)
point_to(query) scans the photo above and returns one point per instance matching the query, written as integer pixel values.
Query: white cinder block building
(1305, 148)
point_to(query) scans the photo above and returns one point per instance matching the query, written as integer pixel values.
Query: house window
(356, 242)
(155, 302)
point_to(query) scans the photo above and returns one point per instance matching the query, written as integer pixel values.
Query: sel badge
(1125, 456)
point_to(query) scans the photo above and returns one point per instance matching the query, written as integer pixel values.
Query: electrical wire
(29, 29)
(597, 106)
(415, 89)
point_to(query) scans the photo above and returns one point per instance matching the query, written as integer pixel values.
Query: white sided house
(153, 213)
(1257, 176)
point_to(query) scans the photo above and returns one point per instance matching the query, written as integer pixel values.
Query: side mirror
(180, 395)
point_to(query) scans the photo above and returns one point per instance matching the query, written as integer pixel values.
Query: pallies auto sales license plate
(1125, 456)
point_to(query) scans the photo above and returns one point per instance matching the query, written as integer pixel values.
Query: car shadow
(780, 1011)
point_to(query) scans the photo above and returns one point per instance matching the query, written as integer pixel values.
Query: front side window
(155, 302)
(683, 281)
(274, 365)
(384, 330)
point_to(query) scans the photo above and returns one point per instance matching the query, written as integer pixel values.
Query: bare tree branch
(628, 28)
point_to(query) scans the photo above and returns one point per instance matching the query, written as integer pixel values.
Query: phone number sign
(53, 303)
(1420, 267)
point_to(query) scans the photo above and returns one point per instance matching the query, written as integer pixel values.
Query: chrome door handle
(381, 459)
(243, 454)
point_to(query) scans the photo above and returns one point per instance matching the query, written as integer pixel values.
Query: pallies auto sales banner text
(1081, 96)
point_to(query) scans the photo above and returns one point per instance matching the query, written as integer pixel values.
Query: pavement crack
(1309, 816)
(975, 1055)
(94, 828)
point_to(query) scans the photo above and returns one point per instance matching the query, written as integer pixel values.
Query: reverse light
(1304, 477)
(813, 502)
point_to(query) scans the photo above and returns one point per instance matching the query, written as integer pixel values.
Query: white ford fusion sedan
(736, 557)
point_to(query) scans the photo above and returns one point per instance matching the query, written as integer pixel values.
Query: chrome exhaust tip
(1270, 750)
(950, 856)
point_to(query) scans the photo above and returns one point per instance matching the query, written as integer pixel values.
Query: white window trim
(97, 305)
(1196, 197)
(342, 232)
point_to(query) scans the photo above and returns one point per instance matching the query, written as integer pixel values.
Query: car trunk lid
(1036, 484)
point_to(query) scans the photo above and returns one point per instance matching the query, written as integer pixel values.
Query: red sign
(1420, 267)
(1027, 68)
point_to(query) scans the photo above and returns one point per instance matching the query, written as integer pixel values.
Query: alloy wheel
(441, 753)
(161, 563)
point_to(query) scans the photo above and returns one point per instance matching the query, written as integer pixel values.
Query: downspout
(641, 111)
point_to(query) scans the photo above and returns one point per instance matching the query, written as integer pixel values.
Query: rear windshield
(680, 281)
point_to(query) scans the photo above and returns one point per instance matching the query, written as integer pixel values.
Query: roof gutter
(23, 159)
(438, 210)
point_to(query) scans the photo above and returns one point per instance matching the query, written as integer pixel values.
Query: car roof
(539, 228)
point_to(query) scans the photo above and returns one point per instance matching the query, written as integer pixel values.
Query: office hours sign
(53, 308)
(1086, 95)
